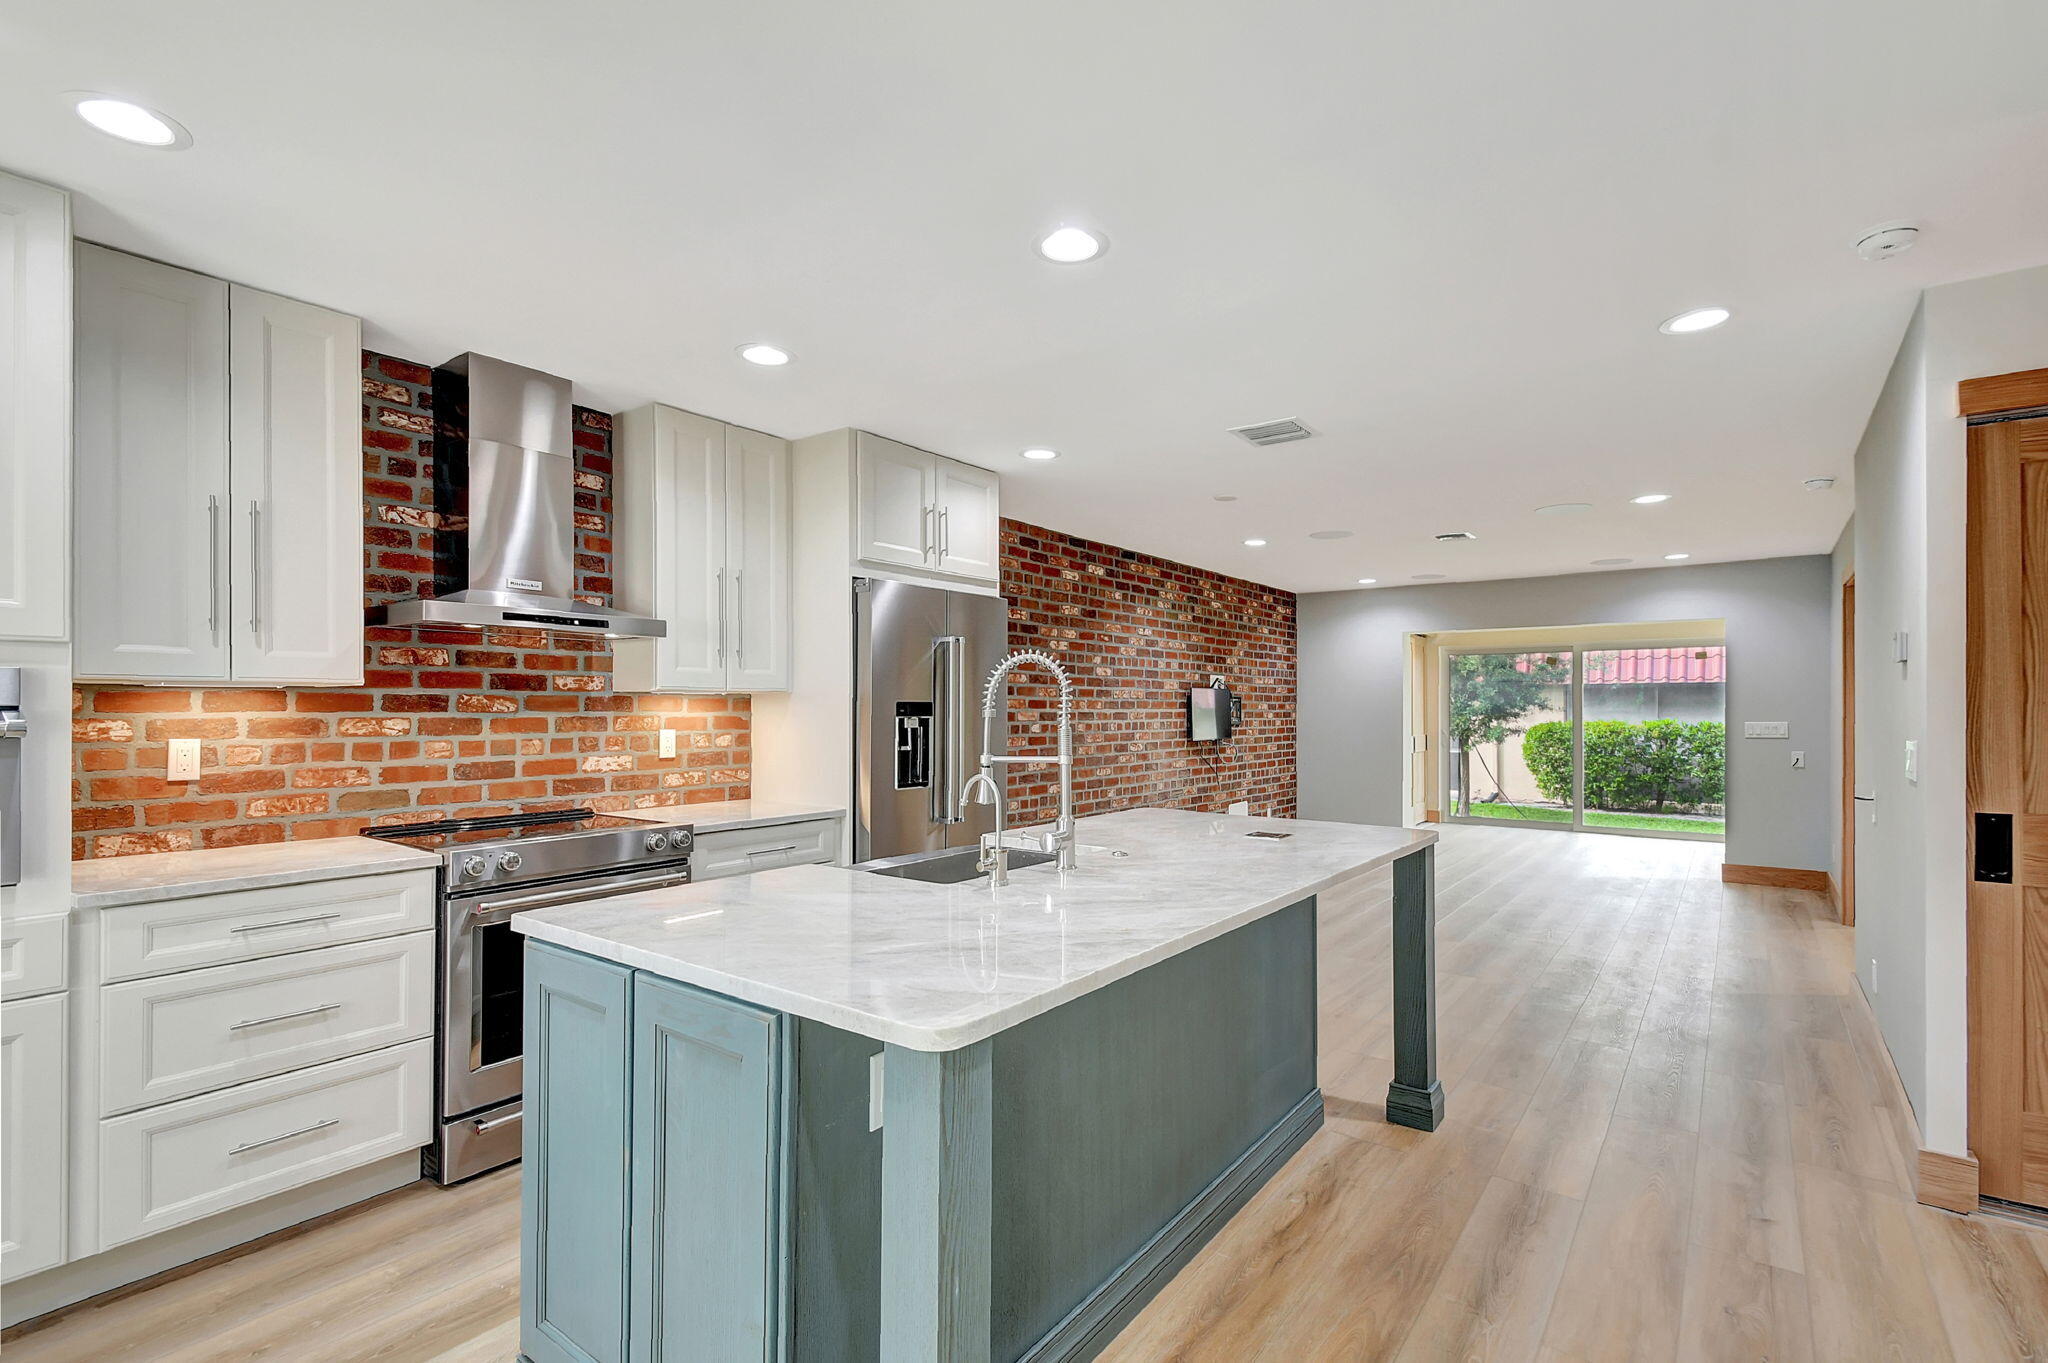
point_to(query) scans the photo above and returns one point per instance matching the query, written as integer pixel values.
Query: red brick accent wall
(446, 721)
(1136, 632)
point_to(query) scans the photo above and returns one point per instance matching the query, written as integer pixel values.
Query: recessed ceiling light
(762, 353)
(1329, 534)
(1699, 319)
(1673, 558)
(1071, 245)
(1367, 581)
(1564, 508)
(1041, 453)
(1254, 544)
(1651, 498)
(130, 121)
(1223, 497)
(1611, 562)
(1427, 577)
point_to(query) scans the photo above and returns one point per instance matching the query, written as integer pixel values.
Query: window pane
(1656, 738)
(1510, 736)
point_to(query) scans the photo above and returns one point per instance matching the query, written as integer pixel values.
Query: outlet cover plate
(181, 762)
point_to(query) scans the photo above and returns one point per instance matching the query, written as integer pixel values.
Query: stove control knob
(472, 866)
(511, 861)
(657, 842)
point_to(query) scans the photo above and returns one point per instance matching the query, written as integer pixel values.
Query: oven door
(483, 981)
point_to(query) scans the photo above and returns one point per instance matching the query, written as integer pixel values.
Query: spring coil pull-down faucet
(981, 788)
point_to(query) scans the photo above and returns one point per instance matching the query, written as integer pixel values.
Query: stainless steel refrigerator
(920, 656)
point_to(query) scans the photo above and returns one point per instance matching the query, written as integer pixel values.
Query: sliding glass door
(1608, 739)
(1509, 739)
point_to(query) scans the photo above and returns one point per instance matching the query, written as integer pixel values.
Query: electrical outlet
(875, 1091)
(1799, 761)
(182, 762)
(1913, 761)
(668, 742)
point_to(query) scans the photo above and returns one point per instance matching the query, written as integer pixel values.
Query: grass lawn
(1649, 823)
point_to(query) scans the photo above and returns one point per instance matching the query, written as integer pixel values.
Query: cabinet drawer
(138, 940)
(172, 1164)
(33, 952)
(736, 851)
(189, 1033)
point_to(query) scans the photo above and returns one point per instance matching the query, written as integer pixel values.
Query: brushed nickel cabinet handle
(213, 567)
(284, 923)
(721, 617)
(770, 851)
(284, 1017)
(945, 533)
(485, 1125)
(246, 1147)
(739, 593)
(255, 568)
(924, 533)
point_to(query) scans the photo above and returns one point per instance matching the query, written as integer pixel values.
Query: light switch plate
(668, 742)
(1799, 761)
(1767, 728)
(182, 760)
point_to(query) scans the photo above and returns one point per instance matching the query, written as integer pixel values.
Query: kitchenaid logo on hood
(525, 584)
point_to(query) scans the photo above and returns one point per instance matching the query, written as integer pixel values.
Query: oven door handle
(486, 912)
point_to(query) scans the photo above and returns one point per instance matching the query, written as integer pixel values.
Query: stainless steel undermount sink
(948, 865)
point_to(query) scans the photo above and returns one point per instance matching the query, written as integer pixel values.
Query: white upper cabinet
(151, 471)
(894, 502)
(35, 410)
(757, 546)
(969, 528)
(702, 531)
(296, 485)
(215, 540)
(914, 509)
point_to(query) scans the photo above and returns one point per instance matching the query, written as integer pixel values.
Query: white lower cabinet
(738, 851)
(173, 1164)
(177, 1035)
(32, 1145)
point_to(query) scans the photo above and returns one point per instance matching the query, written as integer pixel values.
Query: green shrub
(1651, 765)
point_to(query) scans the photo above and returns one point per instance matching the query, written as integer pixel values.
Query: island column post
(1415, 1098)
(936, 1131)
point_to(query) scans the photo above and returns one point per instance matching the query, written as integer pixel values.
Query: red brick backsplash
(1136, 632)
(446, 722)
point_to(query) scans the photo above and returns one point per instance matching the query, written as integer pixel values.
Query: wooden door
(296, 488)
(150, 470)
(757, 554)
(893, 499)
(970, 523)
(2008, 802)
(35, 410)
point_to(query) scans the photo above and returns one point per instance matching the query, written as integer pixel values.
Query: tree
(1489, 692)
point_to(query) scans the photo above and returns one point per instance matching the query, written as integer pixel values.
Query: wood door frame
(1995, 771)
(1846, 889)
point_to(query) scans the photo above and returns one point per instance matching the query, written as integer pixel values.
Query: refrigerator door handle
(949, 704)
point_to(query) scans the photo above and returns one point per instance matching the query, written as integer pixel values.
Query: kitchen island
(821, 1113)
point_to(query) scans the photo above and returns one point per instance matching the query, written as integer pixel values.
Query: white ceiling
(1441, 235)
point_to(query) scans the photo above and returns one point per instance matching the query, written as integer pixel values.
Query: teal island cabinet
(817, 1114)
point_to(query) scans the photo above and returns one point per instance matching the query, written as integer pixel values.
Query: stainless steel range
(491, 869)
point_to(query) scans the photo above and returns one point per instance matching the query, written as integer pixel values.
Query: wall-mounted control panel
(913, 744)
(1766, 728)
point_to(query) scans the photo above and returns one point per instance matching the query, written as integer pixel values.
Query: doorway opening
(1614, 729)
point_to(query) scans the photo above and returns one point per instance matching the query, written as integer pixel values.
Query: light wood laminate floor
(1673, 1134)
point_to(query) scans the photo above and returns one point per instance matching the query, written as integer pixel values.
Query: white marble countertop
(113, 881)
(715, 816)
(938, 967)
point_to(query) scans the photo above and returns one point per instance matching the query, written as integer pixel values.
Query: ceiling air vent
(1453, 536)
(1272, 432)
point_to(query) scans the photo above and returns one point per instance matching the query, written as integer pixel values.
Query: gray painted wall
(1350, 726)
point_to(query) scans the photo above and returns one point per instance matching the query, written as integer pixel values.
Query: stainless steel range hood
(505, 498)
